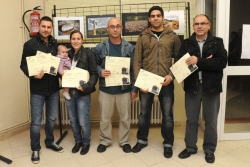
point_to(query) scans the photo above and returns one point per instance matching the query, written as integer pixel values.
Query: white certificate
(181, 70)
(120, 71)
(42, 61)
(47, 62)
(149, 81)
(32, 65)
(74, 77)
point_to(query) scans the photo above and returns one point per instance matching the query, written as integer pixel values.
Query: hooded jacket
(154, 54)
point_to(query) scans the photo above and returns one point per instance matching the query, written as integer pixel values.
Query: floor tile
(17, 148)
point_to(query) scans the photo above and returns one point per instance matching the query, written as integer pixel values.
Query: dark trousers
(166, 99)
(210, 106)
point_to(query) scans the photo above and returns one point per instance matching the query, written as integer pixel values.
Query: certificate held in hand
(119, 68)
(149, 81)
(181, 70)
(75, 77)
(42, 61)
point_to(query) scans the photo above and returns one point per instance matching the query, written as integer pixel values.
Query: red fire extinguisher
(34, 21)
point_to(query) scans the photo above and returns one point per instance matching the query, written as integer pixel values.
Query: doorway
(235, 119)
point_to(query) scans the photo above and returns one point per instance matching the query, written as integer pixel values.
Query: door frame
(222, 30)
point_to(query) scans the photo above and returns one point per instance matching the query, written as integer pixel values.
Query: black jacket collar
(50, 41)
(209, 37)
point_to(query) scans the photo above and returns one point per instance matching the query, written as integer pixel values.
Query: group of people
(154, 50)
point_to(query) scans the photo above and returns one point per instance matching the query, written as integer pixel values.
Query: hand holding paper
(181, 69)
(75, 77)
(118, 71)
(42, 61)
(149, 81)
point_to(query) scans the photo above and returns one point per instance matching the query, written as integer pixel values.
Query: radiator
(156, 115)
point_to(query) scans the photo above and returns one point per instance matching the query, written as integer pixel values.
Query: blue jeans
(78, 109)
(37, 103)
(166, 99)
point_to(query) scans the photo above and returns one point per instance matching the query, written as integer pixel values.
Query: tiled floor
(228, 154)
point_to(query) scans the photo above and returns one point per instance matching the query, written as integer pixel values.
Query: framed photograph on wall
(134, 23)
(175, 19)
(63, 26)
(96, 25)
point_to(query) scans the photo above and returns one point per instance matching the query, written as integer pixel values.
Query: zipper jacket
(211, 68)
(154, 54)
(48, 83)
(85, 60)
(102, 50)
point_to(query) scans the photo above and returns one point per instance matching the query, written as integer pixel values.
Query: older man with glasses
(119, 95)
(203, 86)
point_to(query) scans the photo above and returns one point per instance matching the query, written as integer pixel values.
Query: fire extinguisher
(34, 21)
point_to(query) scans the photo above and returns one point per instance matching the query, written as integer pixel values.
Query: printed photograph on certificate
(149, 81)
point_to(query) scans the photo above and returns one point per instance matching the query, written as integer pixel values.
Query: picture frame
(63, 26)
(134, 23)
(96, 25)
(175, 19)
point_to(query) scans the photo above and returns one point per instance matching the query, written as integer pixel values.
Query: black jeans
(166, 99)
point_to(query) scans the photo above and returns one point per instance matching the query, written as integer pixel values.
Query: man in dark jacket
(203, 86)
(43, 88)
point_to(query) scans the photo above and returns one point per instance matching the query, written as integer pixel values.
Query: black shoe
(76, 148)
(209, 157)
(35, 158)
(85, 149)
(185, 154)
(56, 147)
(168, 152)
(101, 148)
(126, 148)
(137, 148)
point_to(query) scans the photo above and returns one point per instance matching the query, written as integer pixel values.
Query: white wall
(13, 105)
(14, 96)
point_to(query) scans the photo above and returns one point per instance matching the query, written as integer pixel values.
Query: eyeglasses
(115, 27)
(202, 24)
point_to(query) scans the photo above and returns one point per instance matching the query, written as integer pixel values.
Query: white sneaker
(66, 95)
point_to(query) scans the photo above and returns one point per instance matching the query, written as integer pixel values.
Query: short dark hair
(74, 32)
(155, 8)
(202, 15)
(46, 18)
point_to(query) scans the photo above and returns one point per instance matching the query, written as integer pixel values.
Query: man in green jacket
(155, 48)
